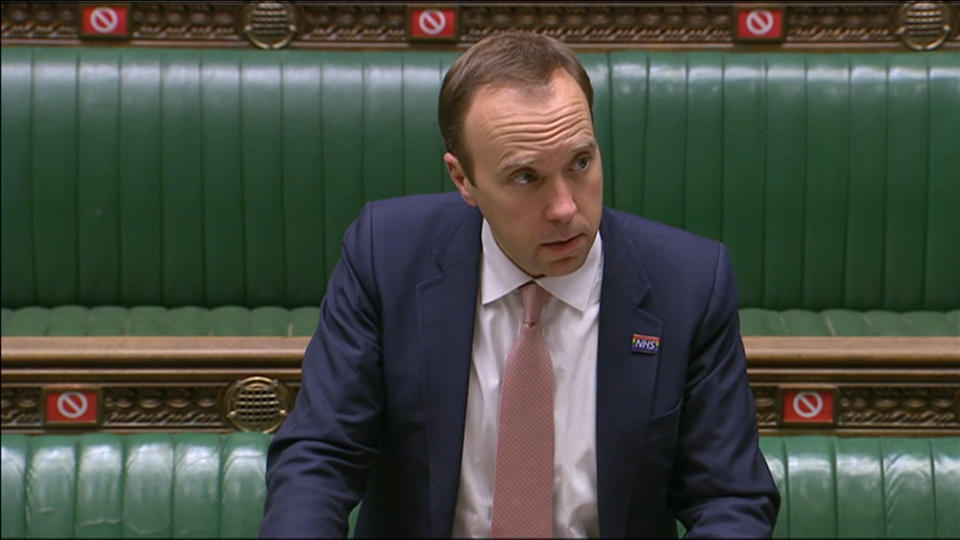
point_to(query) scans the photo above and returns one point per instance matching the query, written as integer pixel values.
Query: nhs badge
(645, 344)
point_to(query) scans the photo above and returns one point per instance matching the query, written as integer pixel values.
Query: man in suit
(410, 389)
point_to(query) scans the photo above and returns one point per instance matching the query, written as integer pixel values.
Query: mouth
(568, 244)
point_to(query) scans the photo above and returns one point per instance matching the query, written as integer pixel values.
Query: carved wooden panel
(875, 385)
(19, 406)
(895, 25)
(162, 407)
(893, 406)
(766, 403)
(167, 407)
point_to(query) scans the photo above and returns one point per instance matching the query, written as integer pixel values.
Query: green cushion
(148, 486)
(50, 487)
(203, 485)
(159, 321)
(242, 469)
(277, 321)
(213, 178)
(842, 323)
(99, 485)
(774, 452)
(859, 471)
(909, 491)
(14, 462)
(810, 486)
(865, 487)
(946, 470)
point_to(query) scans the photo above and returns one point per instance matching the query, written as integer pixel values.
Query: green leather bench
(206, 485)
(205, 192)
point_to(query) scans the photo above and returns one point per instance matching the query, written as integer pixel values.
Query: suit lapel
(625, 379)
(446, 312)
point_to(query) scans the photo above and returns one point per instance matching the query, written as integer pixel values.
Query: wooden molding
(906, 351)
(697, 25)
(893, 385)
(95, 350)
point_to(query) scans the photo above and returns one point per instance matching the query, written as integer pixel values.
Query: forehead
(504, 121)
(505, 98)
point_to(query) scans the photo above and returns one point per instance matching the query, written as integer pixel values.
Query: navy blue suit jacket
(380, 413)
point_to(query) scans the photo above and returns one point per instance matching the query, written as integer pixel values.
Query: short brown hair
(518, 58)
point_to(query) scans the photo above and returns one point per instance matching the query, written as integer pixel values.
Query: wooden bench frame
(878, 385)
(374, 25)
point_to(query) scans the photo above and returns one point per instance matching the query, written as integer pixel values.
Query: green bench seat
(75, 320)
(200, 189)
(211, 486)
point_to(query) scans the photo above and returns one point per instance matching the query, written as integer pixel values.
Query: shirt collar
(499, 275)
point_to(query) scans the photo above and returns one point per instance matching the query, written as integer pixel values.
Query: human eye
(523, 178)
(581, 164)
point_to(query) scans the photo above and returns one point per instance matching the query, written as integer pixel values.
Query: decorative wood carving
(605, 24)
(855, 22)
(180, 407)
(892, 406)
(883, 385)
(766, 404)
(19, 406)
(43, 21)
(353, 23)
(894, 25)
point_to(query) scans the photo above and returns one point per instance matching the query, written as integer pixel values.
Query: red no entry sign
(107, 20)
(813, 406)
(71, 406)
(433, 23)
(760, 24)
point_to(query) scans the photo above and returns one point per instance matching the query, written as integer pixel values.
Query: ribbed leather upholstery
(832, 178)
(208, 178)
(75, 320)
(834, 487)
(177, 177)
(180, 486)
(845, 322)
(151, 485)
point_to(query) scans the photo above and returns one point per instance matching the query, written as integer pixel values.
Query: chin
(564, 267)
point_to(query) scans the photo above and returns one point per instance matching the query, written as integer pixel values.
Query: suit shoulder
(413, 222)
(654, 236)
(417, 206)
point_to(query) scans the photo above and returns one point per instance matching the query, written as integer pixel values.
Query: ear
(459, 177)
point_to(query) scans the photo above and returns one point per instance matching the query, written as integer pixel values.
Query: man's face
(536, 173)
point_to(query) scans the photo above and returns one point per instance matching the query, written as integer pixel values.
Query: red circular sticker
(432, 22)
(104, 20)
(808, 404)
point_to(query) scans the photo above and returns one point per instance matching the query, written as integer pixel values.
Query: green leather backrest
(162, 485)
(135, 176)
(71, 320)
(152, 485)
(866, 487)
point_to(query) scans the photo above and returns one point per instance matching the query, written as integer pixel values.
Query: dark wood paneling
(384, 25)
(886, 385)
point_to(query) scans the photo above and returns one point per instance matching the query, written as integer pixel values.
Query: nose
(561, 205)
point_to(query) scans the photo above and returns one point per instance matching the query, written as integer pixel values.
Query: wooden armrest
(879, 385)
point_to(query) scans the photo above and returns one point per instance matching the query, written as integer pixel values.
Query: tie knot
(533, 297)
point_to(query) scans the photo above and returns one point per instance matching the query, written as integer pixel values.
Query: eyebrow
(587, 145)
(521, 160)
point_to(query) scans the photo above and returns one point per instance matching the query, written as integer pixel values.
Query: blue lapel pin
(645, 344)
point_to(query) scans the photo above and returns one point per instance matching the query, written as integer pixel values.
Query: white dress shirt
(569, 322)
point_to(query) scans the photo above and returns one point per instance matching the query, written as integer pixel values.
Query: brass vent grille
(257, 404)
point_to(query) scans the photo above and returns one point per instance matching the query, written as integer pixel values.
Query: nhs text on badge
(645, 344)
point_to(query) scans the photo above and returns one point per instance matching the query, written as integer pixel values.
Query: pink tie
(523, 483)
